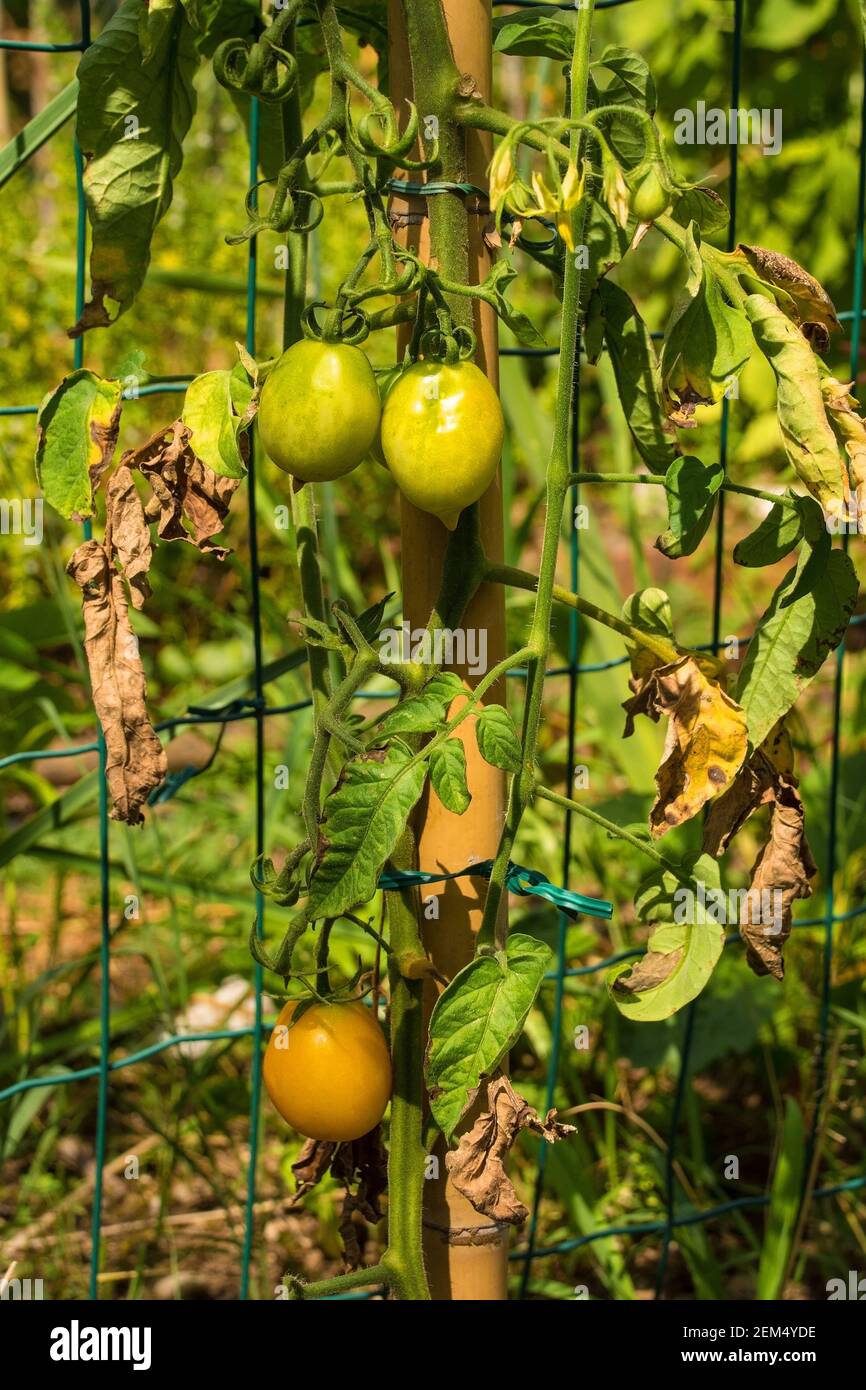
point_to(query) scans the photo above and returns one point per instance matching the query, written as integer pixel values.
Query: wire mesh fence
(257, 709)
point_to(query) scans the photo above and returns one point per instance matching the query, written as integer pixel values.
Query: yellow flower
(558, 203)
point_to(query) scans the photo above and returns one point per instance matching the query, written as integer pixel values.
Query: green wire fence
(257, 709)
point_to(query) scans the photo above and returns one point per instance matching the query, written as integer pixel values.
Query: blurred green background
(178, 1230)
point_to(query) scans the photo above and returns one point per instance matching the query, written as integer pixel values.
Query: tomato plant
(378, 790)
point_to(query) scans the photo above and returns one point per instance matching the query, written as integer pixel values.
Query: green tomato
(319, 412)
(442, 433)
(650, 198)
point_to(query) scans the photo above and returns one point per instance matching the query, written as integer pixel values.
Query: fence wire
(258, 710)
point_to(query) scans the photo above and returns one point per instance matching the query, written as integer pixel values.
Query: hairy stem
(557, 483)
(522, 579)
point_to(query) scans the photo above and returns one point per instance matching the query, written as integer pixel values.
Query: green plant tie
(525, 882)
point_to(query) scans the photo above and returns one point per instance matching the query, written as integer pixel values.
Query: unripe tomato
(650, 198)
(329, 1074)
(319, 411)
(442, 432)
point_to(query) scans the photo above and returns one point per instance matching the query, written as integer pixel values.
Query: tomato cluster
(437, 426)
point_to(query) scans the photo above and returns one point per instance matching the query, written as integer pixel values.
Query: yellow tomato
(442, 432)
(328, 1074)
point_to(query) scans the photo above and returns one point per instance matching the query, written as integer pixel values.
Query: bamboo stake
(466, 1256)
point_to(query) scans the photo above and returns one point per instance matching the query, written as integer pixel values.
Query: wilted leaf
(362, 1165)
(135, 759)
(775, 538)
(784, 868)
(127, 534)
(448, 775)
(812, 303)
(312, 1164)
(707, 341)
(792, 641)
(183, 487)
(809, 441)
(476, 1020)
(690, 488)
(497, 738)
(133, 114)
(362, 820)
(706, 739)
(706, 344)
(851, 430)
(638, 377)
(477, 1165)
(687, 939)
(76, 433)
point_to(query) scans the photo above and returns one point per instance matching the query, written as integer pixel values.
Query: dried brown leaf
(784, 868)
(812, 303)
(477, 1165)
(184, 489)
(135, 758)
(312, 1164)
(363, 1164)
(127, 534)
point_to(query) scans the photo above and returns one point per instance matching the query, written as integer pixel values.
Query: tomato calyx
(346, 323)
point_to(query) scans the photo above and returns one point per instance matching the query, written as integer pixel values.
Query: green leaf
(363, 818)
(630, 84)
(792, 641)
(208, 412)
(691, 488)
(818, 543)
(544, 33)
(497, 738)
(650, 610)
(520, 324)
(476, 1020)
(419, 714)
(707, 341)
(786, 1193)
(606, 243)
(448, 775)
(775, 538)
(217, 20)
(133, 115)
(26, 142)
(684, 945)
(370, 621)
(704, 207)
(76, 432)
(638, 377)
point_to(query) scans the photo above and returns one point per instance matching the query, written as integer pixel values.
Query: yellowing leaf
(77, 430)
(851, 430)
(706, 743)
(809, 441)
